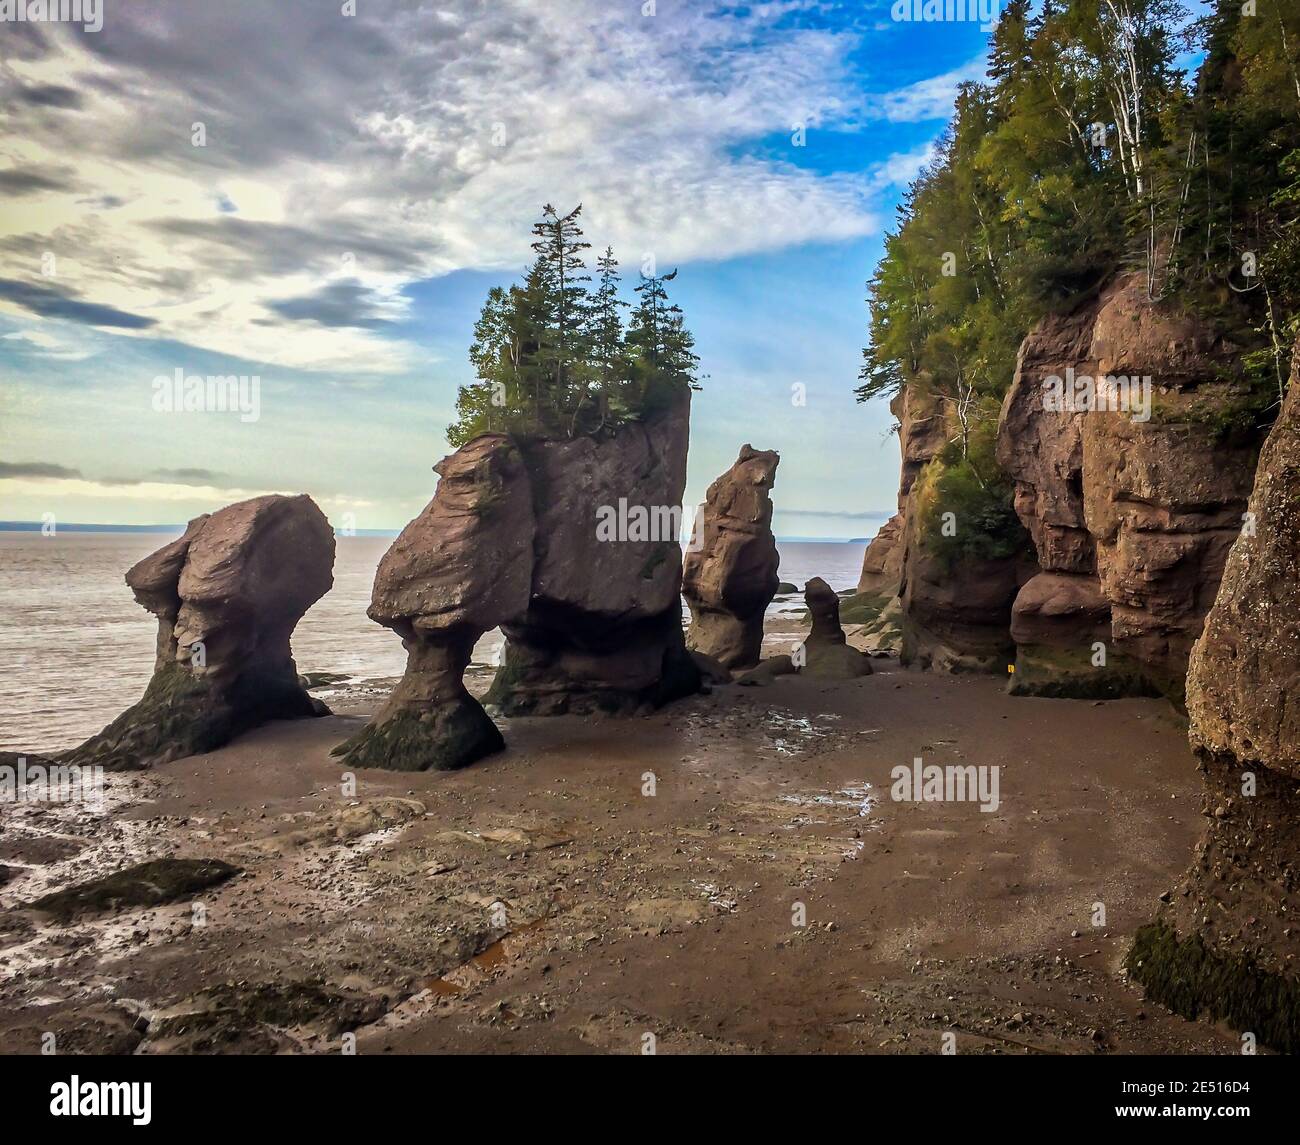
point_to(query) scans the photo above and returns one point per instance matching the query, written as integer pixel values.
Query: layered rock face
(882, 563)
(922, 432)
(952, 619)
(1132, 519)
(602, 628)
(957, 618)
(731, 578)
(826, 653)
(461, 568)
(1226, 946)
(227, 596)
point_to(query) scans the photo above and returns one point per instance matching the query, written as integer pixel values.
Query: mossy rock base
(148, 884)
(861, 608)
(1193, 980)
(834, 662)
(1069, 674)
(181, 715)
(439, 739)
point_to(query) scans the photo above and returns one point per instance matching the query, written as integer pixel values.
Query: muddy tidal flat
(543, 901)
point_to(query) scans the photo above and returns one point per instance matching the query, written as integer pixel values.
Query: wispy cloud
(355, 155)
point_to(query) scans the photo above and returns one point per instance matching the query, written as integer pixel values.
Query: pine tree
(552, 359)
(609, 354)
(557, 288)
(663, 349)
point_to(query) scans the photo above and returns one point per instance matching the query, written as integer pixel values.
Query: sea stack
(1226, 946)
(730, 577)
(601, 631)
(458, 570)
(826, 652)
(227, 595)
(571, 548)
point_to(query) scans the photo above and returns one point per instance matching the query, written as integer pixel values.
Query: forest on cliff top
(1091, 148)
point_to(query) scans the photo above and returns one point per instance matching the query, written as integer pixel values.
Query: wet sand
(540, 902)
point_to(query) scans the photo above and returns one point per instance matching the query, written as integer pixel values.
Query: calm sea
(75, 648)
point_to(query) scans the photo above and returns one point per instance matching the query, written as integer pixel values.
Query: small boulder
(767, 671)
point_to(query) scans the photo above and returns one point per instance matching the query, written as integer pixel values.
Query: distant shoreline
(73, 527)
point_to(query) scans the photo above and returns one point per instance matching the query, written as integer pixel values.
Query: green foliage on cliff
(967, 483)
(554, 358)
(1087, 151)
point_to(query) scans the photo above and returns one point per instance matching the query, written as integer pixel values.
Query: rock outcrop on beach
(825, 652)
(941, 615)
(461, 568)
(602, 628)
(228, 595)
(922, 433)
(730, 577)
(1132, 510)
(571, 548)
(1226, 945)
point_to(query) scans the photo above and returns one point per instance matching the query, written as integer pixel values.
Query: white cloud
(40, 344)
(401, 144)
(927, 99)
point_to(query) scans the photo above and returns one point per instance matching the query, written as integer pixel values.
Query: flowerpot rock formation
(826, 653)
(571, 548)
(228, 595)
(602, 630)
(731, 577)
(458, 570)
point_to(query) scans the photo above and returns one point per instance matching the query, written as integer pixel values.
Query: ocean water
(75, 648)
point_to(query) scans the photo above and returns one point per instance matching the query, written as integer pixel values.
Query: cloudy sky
(362, 180)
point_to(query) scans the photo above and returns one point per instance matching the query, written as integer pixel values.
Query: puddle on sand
(482, 964)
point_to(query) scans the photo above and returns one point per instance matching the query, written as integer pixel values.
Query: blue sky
(363, 181)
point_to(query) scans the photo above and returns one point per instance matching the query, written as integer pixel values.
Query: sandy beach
(540, 902)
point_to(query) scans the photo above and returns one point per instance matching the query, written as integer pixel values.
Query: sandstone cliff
(1133, 507)
(954, 614)
(1226, 945)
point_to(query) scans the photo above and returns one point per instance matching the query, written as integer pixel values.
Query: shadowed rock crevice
(228, 595)
(731, 576)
